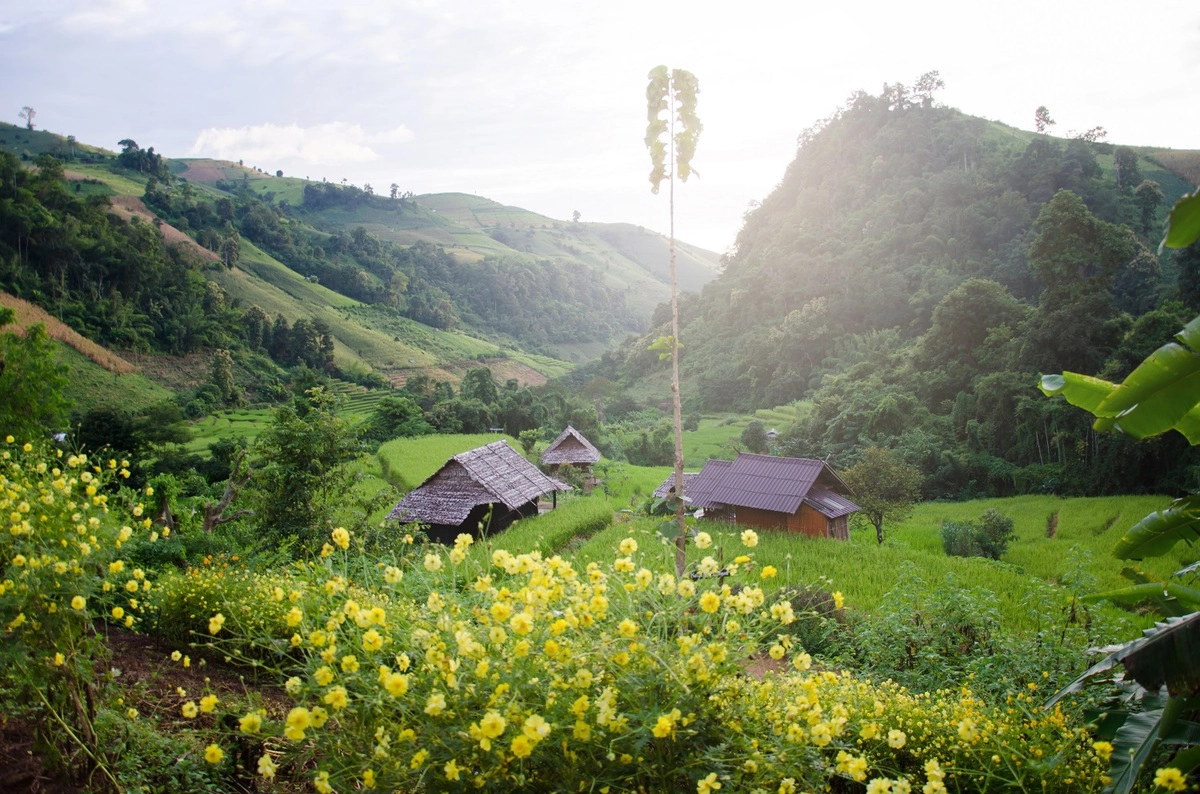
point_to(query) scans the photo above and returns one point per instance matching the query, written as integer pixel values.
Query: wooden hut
(668, 485)
(572, 449)
(788, 494)
(492, 480)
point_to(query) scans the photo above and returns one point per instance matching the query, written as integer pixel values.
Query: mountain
(913, 273)
(401, 286)
(629, 260)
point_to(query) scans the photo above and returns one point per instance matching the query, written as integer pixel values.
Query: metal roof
(668, 485)
(828, 503)
(764, 482)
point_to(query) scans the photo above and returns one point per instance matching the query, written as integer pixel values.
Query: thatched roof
(668, 485)
(492, 474)
(769, 483)
(570, 447)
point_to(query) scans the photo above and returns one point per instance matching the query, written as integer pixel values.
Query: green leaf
(1156, 395)
(1158, 532)
(1131, 747)
(1190, 335)
(1168, 599)
(1183, 224)
(1166, 656)
(1082, 391)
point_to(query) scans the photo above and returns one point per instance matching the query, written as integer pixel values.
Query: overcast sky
(542, 104)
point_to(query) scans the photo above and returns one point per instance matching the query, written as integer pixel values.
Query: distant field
(407, 462)
(91, 386)
(718, 437)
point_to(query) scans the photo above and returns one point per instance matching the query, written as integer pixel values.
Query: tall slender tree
(673, 91)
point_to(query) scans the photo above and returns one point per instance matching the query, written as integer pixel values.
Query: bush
(987, 537)
(521, 672)
(62, 567)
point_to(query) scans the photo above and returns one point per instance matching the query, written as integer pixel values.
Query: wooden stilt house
(491, 486)
(788, 494)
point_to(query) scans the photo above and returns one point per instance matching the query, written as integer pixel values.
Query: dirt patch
(128, 207)
(148, 679)
(177, 373)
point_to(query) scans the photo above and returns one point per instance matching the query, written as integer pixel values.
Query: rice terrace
(368, 423)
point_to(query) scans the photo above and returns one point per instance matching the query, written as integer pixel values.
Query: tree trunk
(878, 522)
(676, 402)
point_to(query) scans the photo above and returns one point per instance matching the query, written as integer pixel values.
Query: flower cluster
(61, 567)
(532, 672)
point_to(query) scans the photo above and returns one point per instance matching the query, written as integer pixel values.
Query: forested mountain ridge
(565, 289)
(914, 272)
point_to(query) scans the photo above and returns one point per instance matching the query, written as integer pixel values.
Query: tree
(884, 486)
(220, 374)
(279, 172)
(674, 92)
(28, 114)
(394, 191)
(1125, 162)
(1148, 196)
(754, 438)
(1041, 119)
(31, 382)
(305, 470)
(575, 216)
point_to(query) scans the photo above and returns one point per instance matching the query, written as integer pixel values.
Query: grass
(407, 462)
(245, 423)
(865, 572)
(91, 386)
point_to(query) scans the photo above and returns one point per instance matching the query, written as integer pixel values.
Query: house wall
(840, 528)
(807, 521)
(761, 519)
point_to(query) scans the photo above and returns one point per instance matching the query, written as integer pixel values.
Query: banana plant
(1160, 671)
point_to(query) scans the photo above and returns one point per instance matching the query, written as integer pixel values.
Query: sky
(541, 104)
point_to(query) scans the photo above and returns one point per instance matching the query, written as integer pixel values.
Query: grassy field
(718, 436)
(865, 572)
(91, 386)
(407, 462)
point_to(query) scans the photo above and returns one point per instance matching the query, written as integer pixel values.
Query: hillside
(628, 259)
(566, 290)
(911, 276)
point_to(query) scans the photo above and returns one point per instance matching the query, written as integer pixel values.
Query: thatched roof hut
(668, 485)
(492, 479)
(570, 449)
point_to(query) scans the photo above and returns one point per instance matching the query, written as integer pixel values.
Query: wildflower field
(565, 654)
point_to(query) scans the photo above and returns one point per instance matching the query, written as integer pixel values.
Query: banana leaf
(1158, 532)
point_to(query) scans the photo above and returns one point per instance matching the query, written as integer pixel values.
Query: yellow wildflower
(189, 710)
(1170, 778)
(214, 623)
(708, 784)
(710, 602)
(208, 703)
(267, 767)
(341, 537)
(213, 754)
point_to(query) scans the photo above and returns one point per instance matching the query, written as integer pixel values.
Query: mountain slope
(627, 257)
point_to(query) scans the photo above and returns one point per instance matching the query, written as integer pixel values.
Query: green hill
(628, 259)
(908, 280)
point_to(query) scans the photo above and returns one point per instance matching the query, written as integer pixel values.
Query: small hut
(492, 479)
(668, 485)
(572, 449)
(789, 494)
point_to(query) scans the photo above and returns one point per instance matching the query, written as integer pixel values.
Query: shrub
(524, 672)
(62, 567)
(989, 536)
